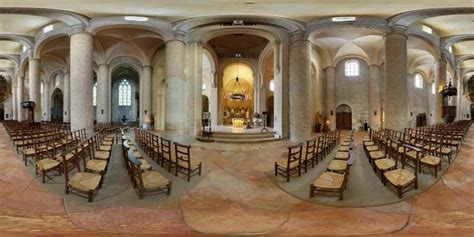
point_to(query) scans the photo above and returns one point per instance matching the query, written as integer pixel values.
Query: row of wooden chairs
(335, 178)
(315, 150)
(161, 150)
(145, 180)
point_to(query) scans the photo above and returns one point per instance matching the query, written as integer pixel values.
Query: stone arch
(57, 101)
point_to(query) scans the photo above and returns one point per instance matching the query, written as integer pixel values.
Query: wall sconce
(102, 111)
(44, 114)
(411, 113)
(65, 112)
(332, 113)
(6, 115)
(431, 115)
(145, 111)
(375, 112)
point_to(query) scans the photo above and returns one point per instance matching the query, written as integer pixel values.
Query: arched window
(41, 88)
(125, 93)
(352, 67)
(419, 81)
(433, 89)
(94, 94)
(272, 85)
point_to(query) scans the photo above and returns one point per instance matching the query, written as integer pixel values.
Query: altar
(238, 122)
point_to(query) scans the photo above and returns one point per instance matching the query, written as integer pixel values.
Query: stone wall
(353, 91)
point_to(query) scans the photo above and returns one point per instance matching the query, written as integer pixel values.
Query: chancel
(236, 118)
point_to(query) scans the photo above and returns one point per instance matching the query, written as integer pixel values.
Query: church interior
(190, 118)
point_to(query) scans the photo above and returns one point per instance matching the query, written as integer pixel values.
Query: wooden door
(344, 121)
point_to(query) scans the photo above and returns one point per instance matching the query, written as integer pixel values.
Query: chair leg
(399, 189)
(311, 191)
(91, 196)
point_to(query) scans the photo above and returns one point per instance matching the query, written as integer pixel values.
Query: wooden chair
(330, 182)
(184, 164)
(82, 183)
(146, 182)
(155, 148)
(290, 165)
(431, 158)
(386, 163)
(402, 179)
(310, 154)
(44, 159)
(166, 158)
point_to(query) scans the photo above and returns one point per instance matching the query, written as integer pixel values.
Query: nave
(236, 186)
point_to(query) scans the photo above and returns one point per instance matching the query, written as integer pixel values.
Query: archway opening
(57, 101)
(125, 94)
(237, 80)
(344, 117)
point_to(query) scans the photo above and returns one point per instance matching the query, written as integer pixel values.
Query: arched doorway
(57, 101)
(205, 104)
(472, 111)
(344, 117)
(125, 94)
(269, 107)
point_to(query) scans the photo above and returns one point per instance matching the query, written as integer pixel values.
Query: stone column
(67, 98)
(103, 93)
(145, 83)
(194, 63)
(440, 82)
(34, 88)
(213, 101)
(14, 100)
(19, 95)
(47, 106)
(395, 102)
(82, 111)
(330, 77)
(374, 97)
(175, 85)
(428, 102)
(300, 88)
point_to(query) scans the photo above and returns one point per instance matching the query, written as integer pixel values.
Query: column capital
(79, 30)
(103, 64)
(33, 59)
(397, 30)
(298, 36)
(330, 66)
(147, 66)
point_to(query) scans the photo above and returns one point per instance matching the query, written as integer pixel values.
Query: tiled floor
(233, 196)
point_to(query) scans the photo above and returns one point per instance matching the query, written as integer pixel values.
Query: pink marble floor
(236, 197)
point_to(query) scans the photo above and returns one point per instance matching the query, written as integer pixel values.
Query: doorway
(205, 104)
(472, 111)
(57, 106)
(344, 117)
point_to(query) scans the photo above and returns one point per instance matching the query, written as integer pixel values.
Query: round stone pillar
(19, 95)
(67, 98)
(300, 89)
(103, 93)
(46, 103)
(14, 101)
(82, 111)
(395, 102)
(175, 100)
(374, 97)
(330, 76)
(145, 84)
(35, 88)
(440, 82)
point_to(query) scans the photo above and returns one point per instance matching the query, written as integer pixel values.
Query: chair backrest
(72, 163)
(182, 153)
(294, 155)
(310, 148)
(135, 168)
(155, 142)
(165, 148)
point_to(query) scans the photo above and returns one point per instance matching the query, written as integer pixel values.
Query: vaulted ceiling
(300, 10)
